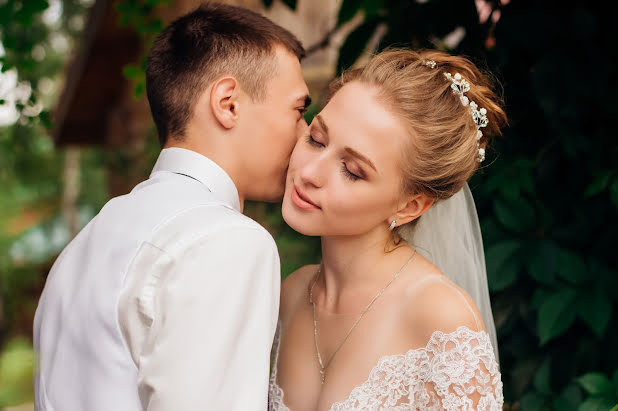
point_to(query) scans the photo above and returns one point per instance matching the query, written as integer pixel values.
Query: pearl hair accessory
(459, 87)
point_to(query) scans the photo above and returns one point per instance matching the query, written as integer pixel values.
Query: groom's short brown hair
(213, 40)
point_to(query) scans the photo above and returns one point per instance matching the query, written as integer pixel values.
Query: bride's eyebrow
(322, 123)
(348, 150)
(361, 157)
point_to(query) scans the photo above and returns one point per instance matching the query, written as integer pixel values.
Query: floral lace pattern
(454, 371)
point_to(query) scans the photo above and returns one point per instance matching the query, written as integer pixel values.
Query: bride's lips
(301, 200)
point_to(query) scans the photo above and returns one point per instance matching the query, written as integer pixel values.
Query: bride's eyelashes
(348, 174)
(311, 141)
(344, 169)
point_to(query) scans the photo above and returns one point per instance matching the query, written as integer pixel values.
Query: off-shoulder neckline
(436, 335)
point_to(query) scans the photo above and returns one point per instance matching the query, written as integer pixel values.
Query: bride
(382, 323)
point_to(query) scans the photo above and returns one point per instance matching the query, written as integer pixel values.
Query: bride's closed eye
(348, 174)
(313, 142)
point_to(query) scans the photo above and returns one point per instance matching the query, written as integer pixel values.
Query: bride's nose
(313, 171)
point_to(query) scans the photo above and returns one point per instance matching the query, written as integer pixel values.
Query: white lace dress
(446, 374)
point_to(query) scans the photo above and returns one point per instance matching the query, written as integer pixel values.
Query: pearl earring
(392, 226)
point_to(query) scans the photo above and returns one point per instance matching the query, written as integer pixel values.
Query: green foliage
(31, 47)
(139, 14)
(603, 392)
(16, 370)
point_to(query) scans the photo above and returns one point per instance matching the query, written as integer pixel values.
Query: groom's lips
(302, 201)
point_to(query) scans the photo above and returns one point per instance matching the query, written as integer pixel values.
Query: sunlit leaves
(141, 16)
(603, 392)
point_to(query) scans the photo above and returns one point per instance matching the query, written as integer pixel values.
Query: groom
(168, 298)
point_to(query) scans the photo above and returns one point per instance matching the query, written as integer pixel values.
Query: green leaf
(596, 404)
(542, 261)
(595, 383)
(569, 398)
(131, 71)
(139, 89)
(348, 9)
(46, 119)
(372, 8)
(539, 296)
(156, 26)
(571, 267)
(502, 264)
(532, 401)
(517, 214)
(290, 3)
(355, 44)
(542, 378)
(613, 192)
(595, 310)
(526, 181)
(311, 112)
(598, 184)
(556, 314)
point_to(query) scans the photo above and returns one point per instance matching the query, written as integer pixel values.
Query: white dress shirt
(167, 300)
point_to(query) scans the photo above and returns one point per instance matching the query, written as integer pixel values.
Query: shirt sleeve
(201, 328)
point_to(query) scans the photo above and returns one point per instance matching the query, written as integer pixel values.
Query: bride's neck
(352, 265)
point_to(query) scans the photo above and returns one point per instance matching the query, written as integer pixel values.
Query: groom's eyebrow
(306, 100)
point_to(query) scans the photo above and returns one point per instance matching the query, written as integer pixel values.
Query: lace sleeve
(463, 373)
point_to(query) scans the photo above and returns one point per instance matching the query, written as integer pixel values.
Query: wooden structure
(96, 105)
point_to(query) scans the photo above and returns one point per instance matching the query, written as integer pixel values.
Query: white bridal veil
(449, 235)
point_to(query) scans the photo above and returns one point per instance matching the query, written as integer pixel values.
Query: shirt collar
(201, 168)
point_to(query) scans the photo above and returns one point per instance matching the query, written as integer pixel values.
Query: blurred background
(75, 130)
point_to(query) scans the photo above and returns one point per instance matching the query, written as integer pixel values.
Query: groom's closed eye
(306, 103)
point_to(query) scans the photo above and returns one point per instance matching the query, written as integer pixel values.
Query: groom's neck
(216, 154)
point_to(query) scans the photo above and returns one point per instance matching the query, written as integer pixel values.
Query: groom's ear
(224, 101)
(413, 207)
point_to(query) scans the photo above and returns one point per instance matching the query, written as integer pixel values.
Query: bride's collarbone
(299, 375)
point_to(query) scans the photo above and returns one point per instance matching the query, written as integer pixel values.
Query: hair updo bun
(442, 153)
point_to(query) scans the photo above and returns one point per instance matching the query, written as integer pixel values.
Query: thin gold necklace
(315, 325)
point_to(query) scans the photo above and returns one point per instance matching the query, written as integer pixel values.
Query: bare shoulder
(295, 288)
(435, 303)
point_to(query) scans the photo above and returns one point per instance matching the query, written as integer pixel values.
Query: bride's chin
(295, 223)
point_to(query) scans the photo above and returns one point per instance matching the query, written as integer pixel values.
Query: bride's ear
(224, 101)
(413, 208)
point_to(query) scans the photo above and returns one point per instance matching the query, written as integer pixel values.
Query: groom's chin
(273, 195)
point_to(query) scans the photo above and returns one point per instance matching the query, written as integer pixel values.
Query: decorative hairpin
(460, 86)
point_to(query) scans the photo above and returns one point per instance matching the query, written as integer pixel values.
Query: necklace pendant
(323, 374)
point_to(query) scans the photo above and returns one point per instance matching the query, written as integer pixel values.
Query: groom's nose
(301, 127)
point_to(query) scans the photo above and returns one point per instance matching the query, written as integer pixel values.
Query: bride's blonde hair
(442, 153)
